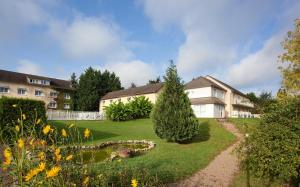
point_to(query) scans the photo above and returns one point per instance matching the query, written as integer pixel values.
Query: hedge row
(139, 107)
(11, 110)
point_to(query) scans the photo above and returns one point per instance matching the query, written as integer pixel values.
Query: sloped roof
(147, 89)
(201, 82)
(21, 78)
(206, 100)
(230, 87)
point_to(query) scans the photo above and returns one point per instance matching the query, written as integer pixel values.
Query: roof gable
(201, 82)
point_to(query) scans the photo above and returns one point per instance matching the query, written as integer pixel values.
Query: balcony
(243, 103)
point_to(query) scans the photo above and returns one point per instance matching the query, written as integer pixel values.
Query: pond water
(101, 154)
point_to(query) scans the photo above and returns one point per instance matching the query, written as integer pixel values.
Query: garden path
(221, 171)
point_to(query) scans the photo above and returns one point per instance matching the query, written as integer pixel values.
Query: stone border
(150, 144)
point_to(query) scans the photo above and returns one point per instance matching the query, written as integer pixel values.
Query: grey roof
(21, 78)
(206, 100)
(147, 89)
(201, 82)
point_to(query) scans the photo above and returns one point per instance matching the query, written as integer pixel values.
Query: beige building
(55, 93)
(149, 91)
(210, 98)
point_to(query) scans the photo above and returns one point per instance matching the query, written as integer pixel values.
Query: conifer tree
(172, 114)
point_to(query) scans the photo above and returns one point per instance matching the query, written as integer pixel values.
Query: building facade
(210, 98)
(56, 93)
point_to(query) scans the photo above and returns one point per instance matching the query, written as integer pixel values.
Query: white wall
(199, 92)
(204, 111)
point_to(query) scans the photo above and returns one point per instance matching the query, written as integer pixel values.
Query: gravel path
(221, 171)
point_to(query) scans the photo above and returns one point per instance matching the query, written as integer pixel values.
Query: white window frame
(67, 96)
(67, 104)
(42, 93)
(55, 94)
(52, 102)
(23, 89)
(5, 87)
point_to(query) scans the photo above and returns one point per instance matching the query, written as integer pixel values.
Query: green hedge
(139, 107)
(9, 114)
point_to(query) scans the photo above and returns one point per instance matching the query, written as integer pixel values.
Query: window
(53, 94)
(52, 104)
(38, 93)
(67, 96)
(34, 81)
(66, 106)
(45, 82)
(21, 91)
(4, 89)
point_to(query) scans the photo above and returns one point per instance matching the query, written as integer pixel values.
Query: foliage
(245, 125)
(170, 162)
(92, 86)
(157, 80)
(261, 101)
(30, 160)
(272, 150)
(74, 95)
(139, 107)
(172, 114)
(132, 85)
(33, 111)
(291, 59)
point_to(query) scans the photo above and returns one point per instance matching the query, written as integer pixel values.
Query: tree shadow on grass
(204, 133)
(97, 135)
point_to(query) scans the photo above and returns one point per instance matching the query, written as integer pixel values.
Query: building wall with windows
(46, 94)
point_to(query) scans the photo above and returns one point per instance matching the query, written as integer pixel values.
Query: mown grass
(169, 161)
(245, 124)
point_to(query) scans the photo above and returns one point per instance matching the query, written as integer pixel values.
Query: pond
(111, 151)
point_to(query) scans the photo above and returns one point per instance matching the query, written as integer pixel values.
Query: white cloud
(135, 71)
(259, 67)
(90, 37)
(29, 67)
(222, 33)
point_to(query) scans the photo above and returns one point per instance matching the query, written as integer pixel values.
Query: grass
(245, 124)
(169, 161)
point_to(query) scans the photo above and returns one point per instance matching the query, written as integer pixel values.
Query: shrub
(139, 107)
(272, 151)
(173, 117)
(10, 112)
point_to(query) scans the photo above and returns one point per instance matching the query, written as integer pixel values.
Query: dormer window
(45, 82)
(34, 81)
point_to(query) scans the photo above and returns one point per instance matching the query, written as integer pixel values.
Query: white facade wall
(199, 92)
(204, 111)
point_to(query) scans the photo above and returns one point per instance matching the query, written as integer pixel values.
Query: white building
(211, 98)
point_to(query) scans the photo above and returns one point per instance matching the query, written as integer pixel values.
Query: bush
(139, 107)
(272, 151)
(173, 117)
(11, 110)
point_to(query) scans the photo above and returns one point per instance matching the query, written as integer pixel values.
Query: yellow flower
(7, 155)
(64, 133)
(42, 156)
(46, 129)
(53, 172)
(35, 171)
(17, 128)
(31, 141)
(42, 166)
(134, 183)
(15, 105)
(43, 142)
(20, 143)
(87, 133)
(69, 157)
(71, 125)
(86, 181)
(23, 116)
(38, 121)
(57, 154)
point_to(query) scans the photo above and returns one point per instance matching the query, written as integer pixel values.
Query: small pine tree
(172, 114)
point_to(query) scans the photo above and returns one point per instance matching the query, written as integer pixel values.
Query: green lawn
(245, 124)
(170, 161)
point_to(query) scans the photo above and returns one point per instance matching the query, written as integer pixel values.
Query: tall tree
(157, 80)
(173, 117)
(92, 86)
(74, 84)
(291, 59)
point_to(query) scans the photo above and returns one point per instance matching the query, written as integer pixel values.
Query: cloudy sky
(236, 41)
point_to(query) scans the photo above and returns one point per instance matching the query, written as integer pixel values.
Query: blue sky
(236, 41)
